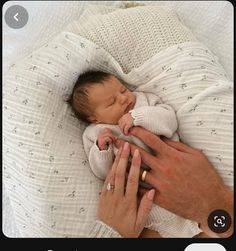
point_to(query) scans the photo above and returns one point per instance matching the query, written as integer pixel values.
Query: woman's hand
(118, 206)
(186, 183)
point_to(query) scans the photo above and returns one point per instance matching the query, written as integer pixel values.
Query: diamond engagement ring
(110, 186)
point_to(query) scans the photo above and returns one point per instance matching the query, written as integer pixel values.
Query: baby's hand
(105, 138)
(125, 123)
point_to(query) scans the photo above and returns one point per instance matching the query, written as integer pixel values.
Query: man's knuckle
(150, 138)
(177, 157)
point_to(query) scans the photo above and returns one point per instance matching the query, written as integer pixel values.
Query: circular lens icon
(16, 17)
(219, 221)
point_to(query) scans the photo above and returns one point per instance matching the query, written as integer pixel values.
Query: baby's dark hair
(78, 100)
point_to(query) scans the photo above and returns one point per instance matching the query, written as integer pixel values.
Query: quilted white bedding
(215, 30)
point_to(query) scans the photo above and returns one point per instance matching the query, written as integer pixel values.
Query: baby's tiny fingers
(113, 137)
(123, 128)
(126, 129)
(107, 139)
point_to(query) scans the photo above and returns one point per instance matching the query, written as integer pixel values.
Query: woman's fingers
(110, 178)
(147, 158)
(150, 139)
(142, 191)
(144, 209)
(121, 170)
(133, 177)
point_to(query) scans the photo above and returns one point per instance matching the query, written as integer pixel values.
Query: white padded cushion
(52, 190)
(133, 35)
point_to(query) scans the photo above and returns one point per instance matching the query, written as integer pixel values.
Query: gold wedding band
(144, 175)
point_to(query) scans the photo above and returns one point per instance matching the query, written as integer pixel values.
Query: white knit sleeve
(101, 230)
(101, 161)
(160, 119)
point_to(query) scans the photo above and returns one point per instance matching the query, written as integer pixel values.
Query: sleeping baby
(111, 109)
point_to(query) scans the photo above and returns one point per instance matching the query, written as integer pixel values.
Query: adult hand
(186, 183)
(118, 207)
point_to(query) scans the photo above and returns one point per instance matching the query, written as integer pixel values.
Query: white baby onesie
(149, 113)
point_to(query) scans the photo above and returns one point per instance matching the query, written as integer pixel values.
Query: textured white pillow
(133, 35)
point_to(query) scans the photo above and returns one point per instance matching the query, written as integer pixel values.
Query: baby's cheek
(118, 115)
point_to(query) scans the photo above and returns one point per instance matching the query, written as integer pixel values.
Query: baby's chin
(110, 122)
(115, 122)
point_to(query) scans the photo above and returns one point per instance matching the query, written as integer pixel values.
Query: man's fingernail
(151, 194)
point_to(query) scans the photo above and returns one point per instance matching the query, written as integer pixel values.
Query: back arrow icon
(15, 17)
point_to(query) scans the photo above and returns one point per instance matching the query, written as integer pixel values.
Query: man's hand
(105, 138)
(186, 183)
(125, 123)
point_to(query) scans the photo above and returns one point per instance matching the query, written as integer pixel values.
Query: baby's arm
(100, 160)
(160, 119)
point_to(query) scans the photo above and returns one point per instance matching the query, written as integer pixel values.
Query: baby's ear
(69, 99)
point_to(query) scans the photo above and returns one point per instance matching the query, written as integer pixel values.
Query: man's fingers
(150, 139)
(146, 176)
(178, 145)
(144, 209)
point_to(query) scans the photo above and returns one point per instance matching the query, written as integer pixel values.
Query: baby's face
(110, 101)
